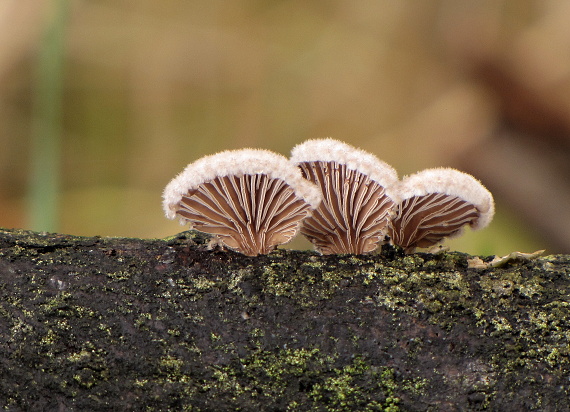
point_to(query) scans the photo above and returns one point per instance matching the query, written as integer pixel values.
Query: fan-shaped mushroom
(251, 200)
(356, 205)
(436, 204)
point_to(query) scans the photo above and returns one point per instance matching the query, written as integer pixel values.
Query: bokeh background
(103, 102)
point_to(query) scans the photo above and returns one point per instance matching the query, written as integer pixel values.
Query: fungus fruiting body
(437, 203)
(343, 199)
(252, 200)
(356, 201)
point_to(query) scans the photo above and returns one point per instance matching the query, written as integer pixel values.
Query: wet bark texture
(101, 324)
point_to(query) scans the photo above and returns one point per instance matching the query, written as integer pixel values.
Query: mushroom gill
(436, 204)
(356, 202)
(250, 200)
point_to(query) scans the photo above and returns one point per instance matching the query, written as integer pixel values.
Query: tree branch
(131, 324)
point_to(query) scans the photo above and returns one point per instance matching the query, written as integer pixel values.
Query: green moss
(79, 356)
(202, 283)
(345, 388)
(119, 276)
(171, 364)
(309, 281)
(343, 394)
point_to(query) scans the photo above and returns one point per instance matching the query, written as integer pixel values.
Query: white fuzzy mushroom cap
(330, 150)
(237, 162)
(454, 183)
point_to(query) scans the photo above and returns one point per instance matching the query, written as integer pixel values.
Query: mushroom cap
(236, 162)
(331, 150)
(451, 182)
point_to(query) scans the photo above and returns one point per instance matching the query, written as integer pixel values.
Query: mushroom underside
(424, 221)
(353, 214)
(250, 213)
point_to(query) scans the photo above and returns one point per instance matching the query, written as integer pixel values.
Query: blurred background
(103, 102)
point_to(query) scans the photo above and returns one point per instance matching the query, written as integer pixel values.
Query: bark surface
(109, 324)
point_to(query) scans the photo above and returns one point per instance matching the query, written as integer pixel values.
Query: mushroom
(436, 204)
(251, 200)
(357, 202)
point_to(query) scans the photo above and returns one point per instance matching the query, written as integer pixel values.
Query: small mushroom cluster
(343, 199)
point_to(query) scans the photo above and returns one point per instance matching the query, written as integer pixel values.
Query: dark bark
(97, 324)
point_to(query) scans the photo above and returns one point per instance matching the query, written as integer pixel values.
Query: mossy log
(109, 324)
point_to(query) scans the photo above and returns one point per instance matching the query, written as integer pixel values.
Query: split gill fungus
(251, 200)
(436, 204)
(342, 199)
(357, 203)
